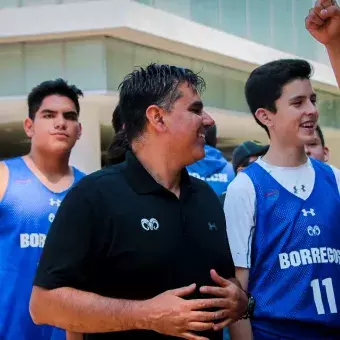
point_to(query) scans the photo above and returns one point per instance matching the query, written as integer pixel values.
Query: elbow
(36, 306)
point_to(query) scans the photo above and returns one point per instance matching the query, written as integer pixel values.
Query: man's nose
(207, 119)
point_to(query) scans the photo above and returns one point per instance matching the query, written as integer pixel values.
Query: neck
(284, 156)
(57, 165)
(157, 163)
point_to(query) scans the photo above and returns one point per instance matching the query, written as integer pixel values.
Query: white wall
(145, 25)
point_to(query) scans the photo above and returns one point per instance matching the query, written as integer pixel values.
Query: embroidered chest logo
(297, 190)
(313, 230)
(149, 225)
(212, 226)
(308, 212)
(55, 203)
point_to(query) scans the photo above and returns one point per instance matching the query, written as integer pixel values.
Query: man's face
(296, 118)
(55, 127)
(316, 150)
(186, 123)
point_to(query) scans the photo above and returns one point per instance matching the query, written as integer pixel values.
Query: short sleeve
(69, 242)
(239, 210)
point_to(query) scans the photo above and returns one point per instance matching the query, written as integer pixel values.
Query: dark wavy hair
(264, 85)
(154, 85)
(48, 88)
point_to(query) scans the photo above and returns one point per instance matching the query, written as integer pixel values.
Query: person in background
(213, 168)
(317, 148)
(117, 149)
(32, 188)
(243, 155)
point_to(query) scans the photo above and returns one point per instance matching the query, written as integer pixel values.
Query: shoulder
(201, 186)
(110, 178)
(240, 196)
(241, 185)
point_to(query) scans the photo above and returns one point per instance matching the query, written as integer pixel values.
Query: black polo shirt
(120, 234)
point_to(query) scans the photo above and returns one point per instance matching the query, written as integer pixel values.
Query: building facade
(94, 43)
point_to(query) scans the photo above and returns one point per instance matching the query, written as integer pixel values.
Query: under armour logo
(149, 225)
(55, 203)
(296, 190)
(306, 212)
(212, 226)
(313, 230)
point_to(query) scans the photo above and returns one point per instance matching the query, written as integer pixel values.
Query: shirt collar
(143, 183)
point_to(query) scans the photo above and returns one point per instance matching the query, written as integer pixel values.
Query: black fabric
(97, 242)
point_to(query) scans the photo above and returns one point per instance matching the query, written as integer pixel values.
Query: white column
(86, 155)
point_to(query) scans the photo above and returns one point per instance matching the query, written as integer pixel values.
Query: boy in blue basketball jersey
(283, 215)
(32, 188)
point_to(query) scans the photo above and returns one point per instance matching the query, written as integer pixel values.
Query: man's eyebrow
(48, 111)
(196, 105)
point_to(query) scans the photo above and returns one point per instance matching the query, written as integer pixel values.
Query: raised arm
(323, 23)
(239, 207)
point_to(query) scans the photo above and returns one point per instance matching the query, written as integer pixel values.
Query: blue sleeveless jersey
(295, 259)
(26, 212)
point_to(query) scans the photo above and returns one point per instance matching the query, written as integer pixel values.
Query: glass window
(283, 31)
(38, 2)
(85, 64)
(306, 46)
(145, 56)
(174, 59)
(233, 17)
(234, 98)
(206, 12)
(42, 62)
(146, 2)
(213, 75)
(179, 7)
(12, 80)
(9, 3)
(259, 13)
(329, 109)
(120, 56)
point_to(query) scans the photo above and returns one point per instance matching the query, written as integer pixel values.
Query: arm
(239, 209)
(85, 312)
(241, 329)
(4, 175)
(323, 23)
(334, 57)
(73, 336)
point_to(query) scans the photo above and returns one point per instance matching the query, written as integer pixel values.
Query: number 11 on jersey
(328, 284)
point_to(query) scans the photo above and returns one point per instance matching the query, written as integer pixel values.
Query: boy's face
(296, 116)
(316, 150)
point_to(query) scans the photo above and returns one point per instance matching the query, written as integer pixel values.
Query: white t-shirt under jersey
(240, 201)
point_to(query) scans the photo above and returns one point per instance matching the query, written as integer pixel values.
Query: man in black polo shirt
(138, 250)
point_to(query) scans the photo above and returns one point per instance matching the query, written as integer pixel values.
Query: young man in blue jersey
(284, 238)
(32, 188)
(213, 168)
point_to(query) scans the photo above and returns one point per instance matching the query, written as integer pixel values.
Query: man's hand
(235, 300)
(170, 314)
(323, 22)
